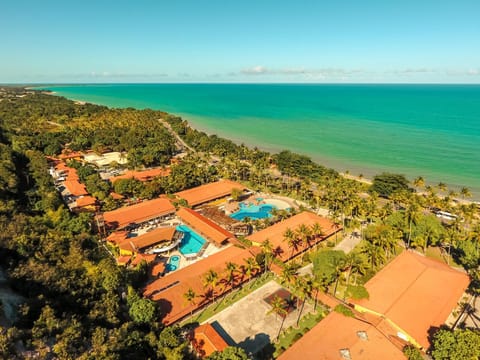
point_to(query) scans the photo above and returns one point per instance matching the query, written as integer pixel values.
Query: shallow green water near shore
(427, 130)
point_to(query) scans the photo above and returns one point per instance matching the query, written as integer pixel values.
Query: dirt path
(179, 139)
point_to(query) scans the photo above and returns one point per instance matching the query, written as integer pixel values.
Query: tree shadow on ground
(165, 308)
(255, 345)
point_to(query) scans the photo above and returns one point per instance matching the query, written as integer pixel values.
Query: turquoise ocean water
(427, 130)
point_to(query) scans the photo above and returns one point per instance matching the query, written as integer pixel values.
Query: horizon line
(36, 84)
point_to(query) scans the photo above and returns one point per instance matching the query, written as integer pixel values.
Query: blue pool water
(173, 263)
(191, 242)
(253, 211)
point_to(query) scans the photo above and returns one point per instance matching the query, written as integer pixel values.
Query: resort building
(340, 337)
(169, 290)
(138, 214)
(209, 192)
(75, 187)
(204, 227)
(206, 340)
(408, 300)
(142, 175)
(105, 159)
(85, 203)
(276, 234)
(156, 241)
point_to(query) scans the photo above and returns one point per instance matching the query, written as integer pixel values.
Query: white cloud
(255, 70)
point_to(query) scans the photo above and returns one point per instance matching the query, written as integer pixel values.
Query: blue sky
(240, 41)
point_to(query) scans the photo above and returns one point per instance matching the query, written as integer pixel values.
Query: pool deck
(184, 262)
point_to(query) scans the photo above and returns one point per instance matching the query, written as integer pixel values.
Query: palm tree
(304, 289)
(289, 272)
(316, 286)
(419, 182)
(465, 192)
(190, 296)
(441, 186)
(230, 268)
(374, 253)
(317, 230)
(293, 242)
(211, 280)
(279, 308)
(267, 249)
(249, 267)
(354, 264)
(412, 215)
(304, 233)
(339, 265)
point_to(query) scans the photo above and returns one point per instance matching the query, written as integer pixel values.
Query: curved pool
(253, 211)
(191, 242)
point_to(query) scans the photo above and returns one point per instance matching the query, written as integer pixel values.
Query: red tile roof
(143, 175)
(209, 192)
(206, 340)
(117, 237)
(61, 166)
(412, 294)
(65, 155)
(148, 239)
(140, 257)
(275, 233)
(416, 293)
(338, 332)
(85, 201)
(123, 260)
(116, 196)
(203, 226)
(72, 174)
(170, 288)
(138, 213)
(158, 268)
(75, 187)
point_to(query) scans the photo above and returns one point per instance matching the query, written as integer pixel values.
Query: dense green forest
(77, 304)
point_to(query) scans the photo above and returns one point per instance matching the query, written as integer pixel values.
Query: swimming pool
(173, 263)
(253, 211)
(191, 242)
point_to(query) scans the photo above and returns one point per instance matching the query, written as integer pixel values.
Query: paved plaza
(247, 322)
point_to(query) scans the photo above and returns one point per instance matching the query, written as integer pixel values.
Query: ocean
(431, 131)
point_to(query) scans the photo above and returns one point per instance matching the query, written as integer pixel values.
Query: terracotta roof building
(206, 340)
(148, 258)
(85, 201)
(204, 227)
(117, 237)
(415, 293)
(169, 289)
(407, 299)
(138, 213)
(142, 175)
(75, 188)
(143, 242)
(275, 233)
(209, 192)
(339, 337)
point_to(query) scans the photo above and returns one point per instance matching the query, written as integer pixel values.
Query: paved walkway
(247, 322)
(349, 241)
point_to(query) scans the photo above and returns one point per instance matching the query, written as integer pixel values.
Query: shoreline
(345, 167)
